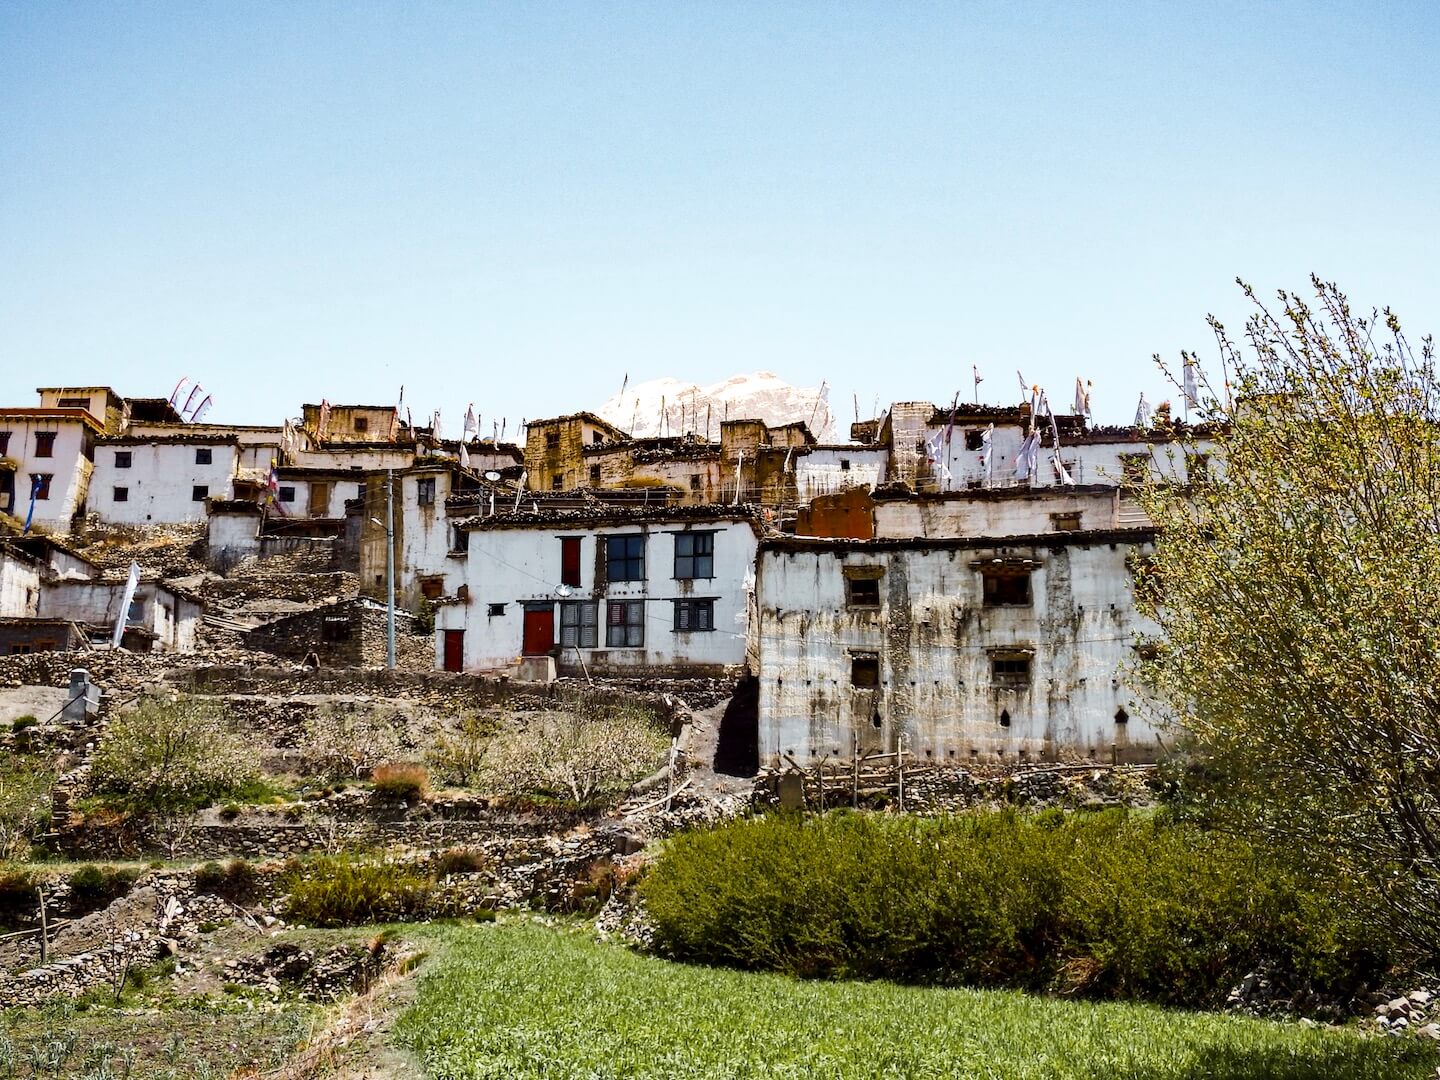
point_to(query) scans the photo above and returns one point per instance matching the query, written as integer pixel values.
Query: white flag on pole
(125, 600)
(1192, 395)
(472, 425)
(1142, 412)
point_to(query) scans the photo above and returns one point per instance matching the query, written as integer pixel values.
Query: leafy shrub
(20, 723)
(24, 805)
(1106, 905)
(408, 783)
(94, 887)
(341, 891)
(458, 756)
(235, 880)
(171, 756)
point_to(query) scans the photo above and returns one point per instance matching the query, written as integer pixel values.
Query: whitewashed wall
(513, 565)
(171, 617)
(828, 469)
(68, 466)
(1004, 512)
(933, 636)
(160, 482)
(340, 490)
(19, 587)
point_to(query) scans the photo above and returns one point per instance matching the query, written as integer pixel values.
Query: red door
(454, 650)
(539, 629)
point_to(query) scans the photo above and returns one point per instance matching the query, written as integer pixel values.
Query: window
(199, 493)
(459, 539)
(203, 455)
(360, 491)
(570, 560)
(495, 610)
(557, 482)
(432, 588)
(864, 669)
(625, 624)
(362, 424)
(552, 440)
(335, 628)
(1010, 669)
(595, 474)
(694, 555)
(1134, 468)
(975, 439)
(1066, 522)
(74, 403)
(425, 491)
(597, 437)
(40, 484)
(862, 586)
(920, 446)
(579, 624)
(844, 464)
(123, 458)
(4, 442)
(694, 615)
(1007, 586)
(286, 494)
(1121, 716)
(1197, 468)
(45, 444)
(122, 494)
(695, 481)
(625, 558)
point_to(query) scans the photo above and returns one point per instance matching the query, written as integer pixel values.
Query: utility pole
(390, 569)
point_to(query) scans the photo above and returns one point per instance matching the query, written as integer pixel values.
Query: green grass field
(520, 1000)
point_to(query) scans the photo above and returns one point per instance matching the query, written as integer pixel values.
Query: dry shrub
(408, 783)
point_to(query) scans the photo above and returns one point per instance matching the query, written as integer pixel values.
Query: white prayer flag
(1192, 395)
(472, 425)
(131, 583)
(1142, 412)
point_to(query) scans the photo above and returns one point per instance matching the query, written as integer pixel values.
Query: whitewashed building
(160, 617)
(970, 649)
(664, 591)
(161, 479)
(48, 451)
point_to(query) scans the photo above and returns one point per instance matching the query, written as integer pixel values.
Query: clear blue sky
(517, 204)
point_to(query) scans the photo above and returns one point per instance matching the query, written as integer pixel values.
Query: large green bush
(1107, 905)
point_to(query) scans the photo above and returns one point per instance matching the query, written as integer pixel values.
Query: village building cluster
(954, 583)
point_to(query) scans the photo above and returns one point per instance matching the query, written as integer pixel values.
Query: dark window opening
(199, 493)
(459, 539)
(123, 459)
(494, 610)
(694, 481)
(74, 403)
(552, 440)
(1004, 718)
(694, 555)
(432, 587)
(862, 592)
(40, 482)
(579, 624)
(1007, 588)
(570, 560)
(1010, 670)
(625, 624)
(595, 474)
(557, 482)
(844, 464)
(204, 456)
(1134, 468)
(45, 444)
(362, 423)
(694, 615)
(975, 439)
(597, 437)
(335, 628)
(4, 442)
(1121, 716)
(625, 558)
(864, 669)
(425, 491)
(121, 494)
(286, 494)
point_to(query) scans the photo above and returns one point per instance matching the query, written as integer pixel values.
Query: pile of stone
(1414, 1012)
(338, 972)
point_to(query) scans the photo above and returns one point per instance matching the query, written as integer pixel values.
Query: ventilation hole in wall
(1121, 716)
(974, 752)
(1004, 717)
(875, 720)
(927, 753)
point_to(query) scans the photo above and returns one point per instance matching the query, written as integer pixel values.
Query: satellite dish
(492, 476)
(563, 590)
